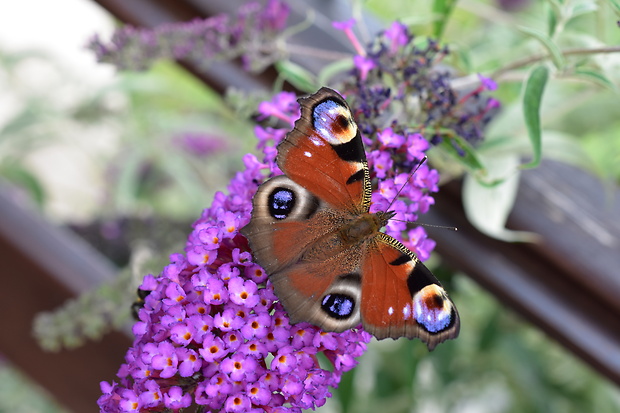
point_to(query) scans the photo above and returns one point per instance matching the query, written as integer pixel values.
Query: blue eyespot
(338, 306)
(281, 203)
(432, 310)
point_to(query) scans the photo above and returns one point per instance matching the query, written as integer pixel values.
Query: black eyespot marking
(419, 278)
(438, 301)
(338, 306)
(352, 151)
(403, 259)
(342, 123)
(356, 177)
(312, 206)
(351, 277)
(281, 202)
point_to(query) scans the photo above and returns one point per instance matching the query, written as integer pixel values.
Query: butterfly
(312, 231)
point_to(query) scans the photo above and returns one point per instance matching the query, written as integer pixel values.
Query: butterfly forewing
(324, 153)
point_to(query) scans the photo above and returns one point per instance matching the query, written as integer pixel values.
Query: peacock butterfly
(312, 231)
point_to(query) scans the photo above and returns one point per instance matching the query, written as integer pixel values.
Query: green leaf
(22, 177)
(545, 40)
(552, 22)
(441, 11)
(470, 159)
(615, 4)
(297, 76)
(565, 148)
(487, 206)
(331, 70)
(127, 184)
(534, 88)
(583, 7)
(463, 55)
(596, 77)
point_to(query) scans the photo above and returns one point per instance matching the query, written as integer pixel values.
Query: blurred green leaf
(297, 76)
(333, 69)
(468, 157)
(128, 181)
(489, 332)
(582, 7)
(25, 179)
(596, 77)
(487, 206)
(441, 11)
(552, 21)
(603, 153)
(554, 51)
(20, 394)
(346, 391)
(532, 97)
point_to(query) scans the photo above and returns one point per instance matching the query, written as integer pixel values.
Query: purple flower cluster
(419, 89)
(249, 34)
(212, 333)
(200, 144)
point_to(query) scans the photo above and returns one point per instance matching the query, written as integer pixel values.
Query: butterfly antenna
(401, 190)
(406, 182)
(422, 224)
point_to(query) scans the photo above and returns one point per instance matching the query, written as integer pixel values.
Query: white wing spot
(317, 141)
(407, 312)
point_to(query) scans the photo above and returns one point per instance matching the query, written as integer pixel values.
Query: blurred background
(102, 173)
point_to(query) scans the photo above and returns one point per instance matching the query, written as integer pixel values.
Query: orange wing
(401, 297)
(324, 153)
(326, 294)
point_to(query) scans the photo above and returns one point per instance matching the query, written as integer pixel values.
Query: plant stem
(317, 52)
(537, 58)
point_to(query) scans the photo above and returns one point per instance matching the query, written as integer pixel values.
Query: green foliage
(442, 10)
(297, 76)
(566, 49)
(135, 127)
(18, 394)
(532, 97)
(498, 364)
(109, 307)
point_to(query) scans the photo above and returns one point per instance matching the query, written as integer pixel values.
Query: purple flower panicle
(212, 332)
(421, 93)
(200, 144)
(250, 35)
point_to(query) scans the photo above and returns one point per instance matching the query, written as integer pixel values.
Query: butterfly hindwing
(402, 298)
(323, 293)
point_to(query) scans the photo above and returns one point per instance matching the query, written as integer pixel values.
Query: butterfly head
(384, 216)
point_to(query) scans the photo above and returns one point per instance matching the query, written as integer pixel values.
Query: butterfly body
(313, 232)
